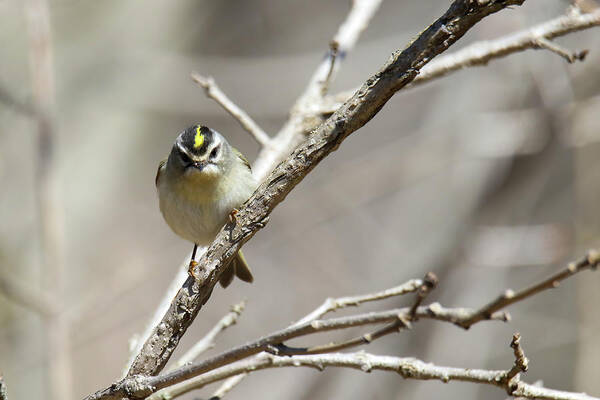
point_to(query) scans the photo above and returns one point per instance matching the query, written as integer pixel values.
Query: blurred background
(490, 177)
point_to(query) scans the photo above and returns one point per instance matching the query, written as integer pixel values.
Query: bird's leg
(193, 262)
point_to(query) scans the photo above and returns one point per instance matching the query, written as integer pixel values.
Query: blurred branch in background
(30, 298)
(215, 93)
(50, 208)
(11, 101)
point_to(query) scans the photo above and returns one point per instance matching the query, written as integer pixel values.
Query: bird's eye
(184, 157)
(214, 152)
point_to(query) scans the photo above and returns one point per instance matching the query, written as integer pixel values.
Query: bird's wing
(241, 157)
(159, 171)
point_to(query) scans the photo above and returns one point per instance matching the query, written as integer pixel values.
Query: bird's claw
(193, 264)
(232, 215)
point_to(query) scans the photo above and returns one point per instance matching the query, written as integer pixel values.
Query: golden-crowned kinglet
(201, 182)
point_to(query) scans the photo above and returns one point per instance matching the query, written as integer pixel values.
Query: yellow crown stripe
(198, 139)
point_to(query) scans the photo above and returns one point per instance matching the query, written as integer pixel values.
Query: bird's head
(200, 153)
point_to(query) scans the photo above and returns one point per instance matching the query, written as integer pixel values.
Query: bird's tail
(238, 267)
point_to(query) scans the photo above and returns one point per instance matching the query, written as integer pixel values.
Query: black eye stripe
(215, 151)
(184, 157)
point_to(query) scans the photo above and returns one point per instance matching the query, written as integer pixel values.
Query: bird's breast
(197, 214)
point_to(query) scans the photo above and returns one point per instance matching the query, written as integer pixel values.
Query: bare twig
(590, 261)
(585, 6)
(399, 324)
(521, 362)
(570, 56)
(334, 49)
(208, 341)
(332, 304)
(215, 93)
(429, 283)
(481, 53)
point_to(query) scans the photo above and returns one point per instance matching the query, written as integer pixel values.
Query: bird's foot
(191, 269)
(232, 215)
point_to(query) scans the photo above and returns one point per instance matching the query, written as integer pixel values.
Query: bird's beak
(199, 165)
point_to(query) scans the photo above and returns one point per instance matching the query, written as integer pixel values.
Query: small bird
(200, 185)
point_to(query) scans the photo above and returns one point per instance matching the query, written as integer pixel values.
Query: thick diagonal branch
(400, 70)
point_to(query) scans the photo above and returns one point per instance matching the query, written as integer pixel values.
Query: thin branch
(590, 261)
(229, 384)
(215, 93)
(570, 56)
(208, 341)
(481, 53)
(175, 391)
(585, 6)
(408, 368)
(429, 283)
(331, 304)
(400, 69)
(521, 362)
(399, 324)
(334, 50)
